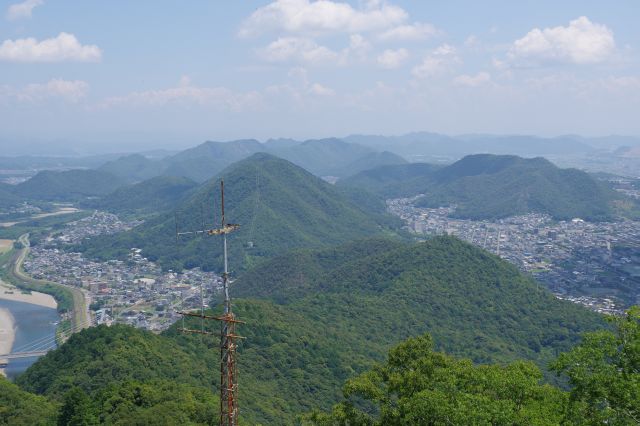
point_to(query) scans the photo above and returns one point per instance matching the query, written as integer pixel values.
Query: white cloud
(66, 90)
(409, 32)
(440, 61)
(186, 94)
(472, 80)
(358, 46)
(391, 59)
(64, 47)
(321, 17)
(304, 50)
(581, 42)
(320, 90)
(22, 10)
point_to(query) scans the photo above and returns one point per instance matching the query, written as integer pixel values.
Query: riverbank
(7, 334)
(9, 292)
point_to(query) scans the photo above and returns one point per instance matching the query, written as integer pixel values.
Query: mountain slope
(7, 197)
(315, 318)
(488, 186)
(157, 194)
(279, 205)
(133, 168)
(208, 159)
(485, 186)
(325, 157)
(68, 185)
(392, 180)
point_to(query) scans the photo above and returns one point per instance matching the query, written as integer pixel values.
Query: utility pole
(228, 321)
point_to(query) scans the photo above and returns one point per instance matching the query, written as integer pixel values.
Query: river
(33, 323)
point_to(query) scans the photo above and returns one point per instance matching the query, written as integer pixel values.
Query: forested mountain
(328, 157)
(208, 159)
(391, 181)
(324, 157)
(7, 197)
(155, 195)
(327, 315)
(279, 205)
(68, 185)
(417, 385)
(133, 168)
(486, 186)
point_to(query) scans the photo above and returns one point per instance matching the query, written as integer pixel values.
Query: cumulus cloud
(440, 61)
(321, 17)
(391, 59)
(64, 47)
(298, 49)
(581, 42)
(409, 32)
(472, 80)
(22, 10)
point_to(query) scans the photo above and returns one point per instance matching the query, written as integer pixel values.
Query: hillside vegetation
(316, 318)
(323, 157)
(155, 195)
(133, 168)
(70, 185)
(279, 205)
(485, 186)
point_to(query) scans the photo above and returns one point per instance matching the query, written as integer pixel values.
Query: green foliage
(159, 402)
(206, 160)
(18, 407)
(417, 385)
(133, 168)
(155, 195)
(100, 356)
(279, 206)
(77, 410)
(392, 181)
(488, 186)
(7, 197)
(378, 292)
(604, 372)
(68, 185)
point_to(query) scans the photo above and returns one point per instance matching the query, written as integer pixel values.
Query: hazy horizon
(175, 75)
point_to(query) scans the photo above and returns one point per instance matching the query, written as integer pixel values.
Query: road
(80, 298)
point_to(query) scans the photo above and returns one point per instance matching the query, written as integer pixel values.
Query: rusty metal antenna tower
(228, 321)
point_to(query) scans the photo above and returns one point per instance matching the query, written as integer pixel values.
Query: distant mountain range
(425, 146)
(324, 157)
(280, 206)
(70, 185)
(487, 186)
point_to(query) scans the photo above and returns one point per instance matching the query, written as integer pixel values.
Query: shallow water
(35, 329)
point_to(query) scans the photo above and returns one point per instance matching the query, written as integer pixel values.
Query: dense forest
(70, 185)
(485, 186)
(154, 195)
(280, 206)
(138, 382)
(317, 318)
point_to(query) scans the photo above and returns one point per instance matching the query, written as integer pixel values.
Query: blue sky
(173, 73)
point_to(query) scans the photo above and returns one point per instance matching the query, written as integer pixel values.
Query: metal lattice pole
(228, 336)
